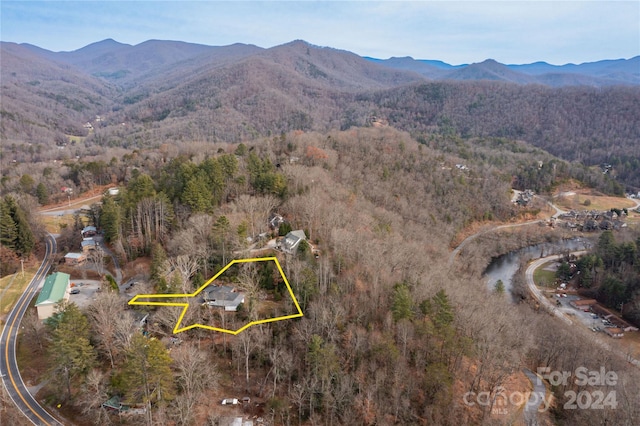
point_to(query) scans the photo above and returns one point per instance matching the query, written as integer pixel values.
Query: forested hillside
(383, 171)
(390, 334)
(157, 91)
(586, 125)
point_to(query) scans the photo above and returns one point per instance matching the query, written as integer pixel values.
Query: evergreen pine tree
(8, 234)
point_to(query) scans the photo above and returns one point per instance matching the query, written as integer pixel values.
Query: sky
(457, 32)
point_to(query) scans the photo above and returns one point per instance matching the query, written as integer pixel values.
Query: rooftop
(54, 289)
(74, 255)
(292, 239)
(223, 296)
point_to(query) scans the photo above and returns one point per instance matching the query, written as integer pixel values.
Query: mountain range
(167, 90)
(600, 73)
(118, 61)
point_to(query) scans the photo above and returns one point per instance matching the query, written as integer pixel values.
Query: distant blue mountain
(600, 73)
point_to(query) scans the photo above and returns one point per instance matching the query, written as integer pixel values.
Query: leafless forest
(384, 179)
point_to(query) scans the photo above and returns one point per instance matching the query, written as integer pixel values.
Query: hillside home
(88, 244)
(88, 231)
(55, 289)
(292, 240)
(74, 259)
(223, 296)
(275, 221)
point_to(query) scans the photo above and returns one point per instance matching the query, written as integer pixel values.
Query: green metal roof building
(55, 289)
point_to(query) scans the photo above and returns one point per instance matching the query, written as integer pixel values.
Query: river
(505, 266)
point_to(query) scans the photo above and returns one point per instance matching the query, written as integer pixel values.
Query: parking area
(589, 319)
(83, 292)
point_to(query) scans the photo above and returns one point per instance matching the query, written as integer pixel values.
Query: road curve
(557, 312)
(9, 371)
(463, 244)
(537, 294)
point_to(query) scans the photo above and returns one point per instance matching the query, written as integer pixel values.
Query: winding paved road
(535, 291)
(9, 371)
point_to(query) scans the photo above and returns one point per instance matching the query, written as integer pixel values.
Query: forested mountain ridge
(163, 91)
(596, 74)
(125, 65)
(590, 126)
(41, 97)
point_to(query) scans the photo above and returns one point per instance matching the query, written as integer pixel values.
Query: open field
(544, 277)
(76, 139)
(586, 199)
(54, 224)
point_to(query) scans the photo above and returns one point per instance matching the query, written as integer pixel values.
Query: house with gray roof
(88, 244)
(54, 290)
(292, 240)
(88, 231)
(223, 296)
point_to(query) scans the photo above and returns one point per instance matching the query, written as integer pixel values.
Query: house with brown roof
(614, 332)
(583, 304)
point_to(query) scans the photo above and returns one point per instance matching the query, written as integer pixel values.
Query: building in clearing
(223, 296)
(292, 240)
(583, 304)
(55, 289)
(75, 258)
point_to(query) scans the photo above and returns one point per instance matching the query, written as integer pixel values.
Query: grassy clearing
(544, 278)
(580, 200)
(76, 139)
(11, 287)
(54, 224)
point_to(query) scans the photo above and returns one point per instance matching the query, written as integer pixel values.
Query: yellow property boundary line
(185, 305)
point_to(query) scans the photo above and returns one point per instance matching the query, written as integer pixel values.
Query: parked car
(75, 291)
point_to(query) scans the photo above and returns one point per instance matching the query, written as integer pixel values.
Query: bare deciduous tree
(186, 265)
(195, 373)
(112, 325)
